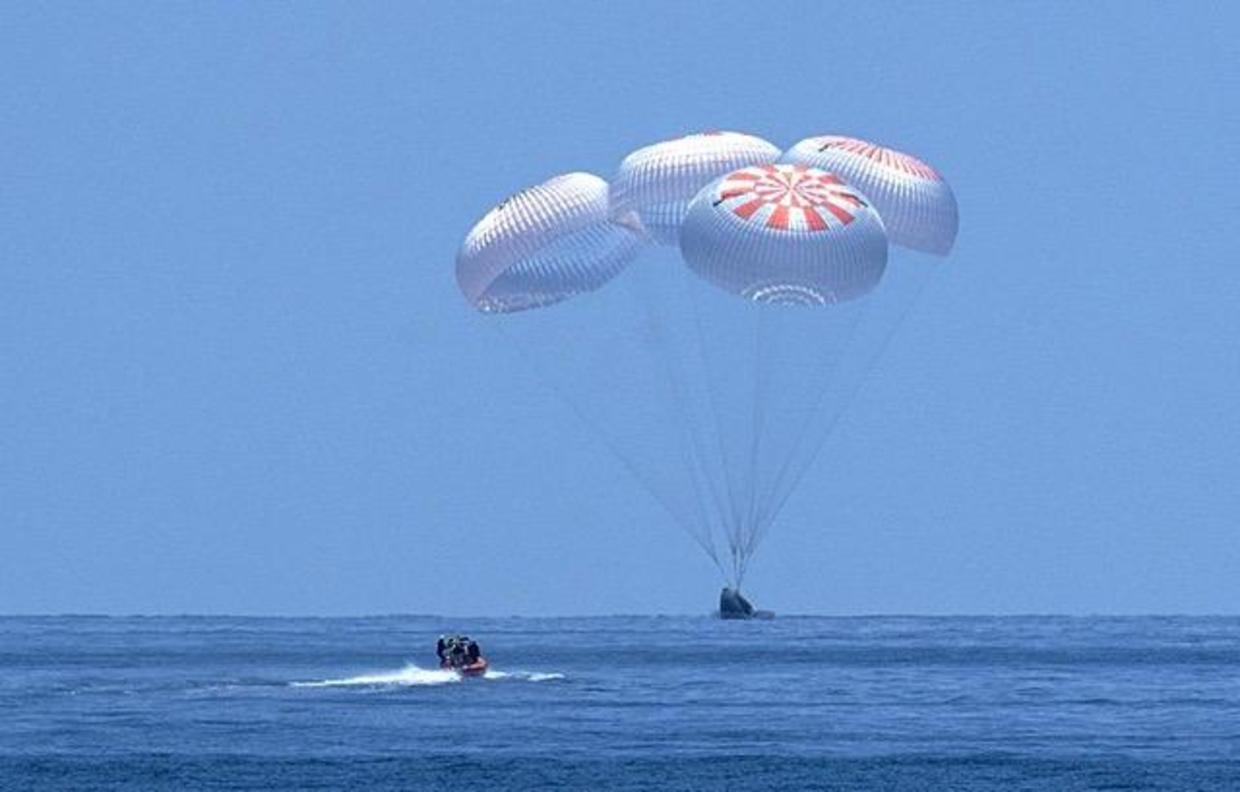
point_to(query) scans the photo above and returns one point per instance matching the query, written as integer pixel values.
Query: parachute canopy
(544, 244)
(917, 206)
(785, 233)
(658, 181)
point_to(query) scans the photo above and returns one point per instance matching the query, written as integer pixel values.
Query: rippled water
(622, 702)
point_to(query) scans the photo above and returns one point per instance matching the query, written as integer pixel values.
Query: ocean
(883, 703)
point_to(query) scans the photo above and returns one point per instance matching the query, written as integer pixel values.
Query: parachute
(714, 370)
(544, 244)
(657, 182)
(785, 233)
(916, 205)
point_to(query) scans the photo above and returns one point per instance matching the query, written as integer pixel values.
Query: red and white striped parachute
(785, 233)
(916, 204)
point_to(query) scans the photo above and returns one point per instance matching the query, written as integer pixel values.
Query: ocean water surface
(893, 703)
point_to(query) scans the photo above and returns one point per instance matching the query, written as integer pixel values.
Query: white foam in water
(412, 675)
(409, 675)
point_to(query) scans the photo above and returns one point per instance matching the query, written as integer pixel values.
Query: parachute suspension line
(678, 372)
(854, 388)
(695, 462)
(677, 369)
(616, 451)
(774, 453)
(729, 519)
(728, 490)
(761, 350)
(828, 370)
(691, 453)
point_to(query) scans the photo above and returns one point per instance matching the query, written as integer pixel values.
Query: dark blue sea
(890, 703)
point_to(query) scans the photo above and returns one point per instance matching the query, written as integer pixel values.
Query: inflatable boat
(476, 668)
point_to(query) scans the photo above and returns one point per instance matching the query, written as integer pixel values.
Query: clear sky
(236, 374)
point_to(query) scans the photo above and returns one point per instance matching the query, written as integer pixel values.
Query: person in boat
(470, 651)
(457, 651)
(456, 654)
(448, 649)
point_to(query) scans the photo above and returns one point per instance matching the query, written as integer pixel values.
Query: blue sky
(236, 375)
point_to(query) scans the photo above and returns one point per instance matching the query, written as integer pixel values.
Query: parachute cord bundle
(886, 331)
(729, 519)
(630, 464)
(696, 461)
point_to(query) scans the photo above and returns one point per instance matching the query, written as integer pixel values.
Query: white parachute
(544, 244)
(715, 370)
(657, 182)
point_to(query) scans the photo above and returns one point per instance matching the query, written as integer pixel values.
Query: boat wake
(413, 676)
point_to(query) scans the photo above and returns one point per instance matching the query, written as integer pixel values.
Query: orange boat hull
(473, 669)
